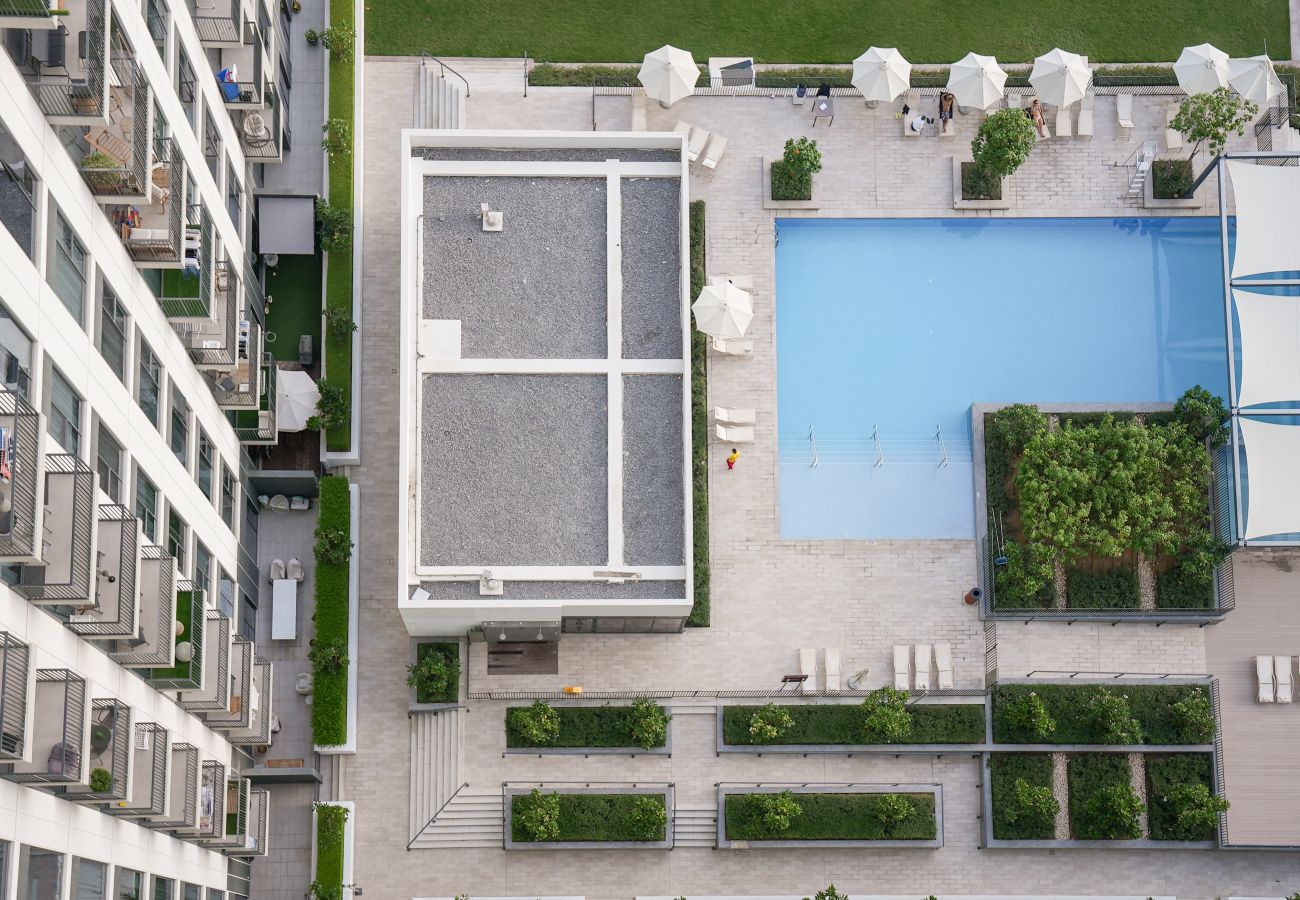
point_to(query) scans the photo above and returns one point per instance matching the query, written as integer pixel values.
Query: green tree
(1197, 811)
(337, 140)
(334, 224)
(539, 724)
(1195, 716)
(339, 40)
(892, 809)
(647, 723)
(1113, 813)
(649, 819)
(332, 408)
(1003, 143)
(433, 673)
(1028, 715)
(801, 156)
(539, 817)
(1203, 415)
(887, 718)
(769, 722)
(779, 810)
(1212, 118)
(1112, 718)
(1032, 803)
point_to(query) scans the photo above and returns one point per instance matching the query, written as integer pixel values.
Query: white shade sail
(296, 398)
(1253, 77)
(976, 81)
(1202, 69)
(668, 74)
(881, 73)
(1273, 478)
(1268, 218)
(723, 311)
(1269, 326)
(1060, 77)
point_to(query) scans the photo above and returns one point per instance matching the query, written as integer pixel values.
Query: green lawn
(184, 615)
(329, 708)
(330, 821)
(926, 31)
(294, 286)
(338, 358)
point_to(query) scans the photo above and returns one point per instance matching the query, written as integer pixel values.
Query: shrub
(433, 674)
(1071, 707)
(1011, 821)
(976, 184)
(539, 723)
(1203, 415)
(1118, 588)
(802, 157)
(1018, 423)
(1031, 804)
(312, 35)
(1026, 580)
(338, 324)
(778, 810)
(328, 657)
(788, 184)
(548, 75)
(1195, 716)
(1210, 118)
(1112, 717)
(539, 819)
(892, 809)
(339, 41)
(649, 819)
(1003, 143)
(1113, 813)
(1171, 178)
(328, 882)
(101, 780)
(842, 723)
(100, 181)
(769, 722)
(1186, 585)
(333, 408)
(829, 893)
(647, 723)
(334, 225)
(333, 558)
(338, 136)
(699, 429)
(1028, 715)
(1197, 811)
(319, 890)
(887, 716)
(333, 545)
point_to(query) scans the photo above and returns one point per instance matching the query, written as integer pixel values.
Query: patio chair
(1124, 110)
(1063, 129)
(1084, 129)
(733, 347)
(831, 658)
(808, 666)
(923, 667)
(1264, 671)
(943, 664)
(733, 416)
(695, 145)
(1282, 674)
(1173, 138)
(902, 667)
(735, 434)
(713, 155)
(910, 102)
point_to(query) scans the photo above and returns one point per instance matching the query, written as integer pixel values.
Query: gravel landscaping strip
(1137, 764)
(562, 590)
(550, 154)
(1061, 791)
(652, 268)
(653, 491)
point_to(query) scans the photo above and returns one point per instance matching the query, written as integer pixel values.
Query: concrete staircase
(695, 826)
(437, 755)
(474, 818)
(440, 99)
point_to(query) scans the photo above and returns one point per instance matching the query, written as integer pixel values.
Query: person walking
(732, 457)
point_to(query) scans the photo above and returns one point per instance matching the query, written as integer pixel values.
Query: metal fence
(72, 711)
(15, 668)
(83, 100)
(24, 458)
(1220, 787)
(172, 679)
(214, 699)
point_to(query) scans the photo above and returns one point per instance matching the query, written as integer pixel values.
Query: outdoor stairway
(440, 101)
(695, 826)
(472, 819)
(437, 753)
(1145, 158)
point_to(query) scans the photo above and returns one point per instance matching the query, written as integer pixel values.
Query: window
(68, 265)
(180, 436)
(212, 145)
(191, 892)
(234, 197)
(64, 417)
(203, 471)
(148, 383)
(108, 462)
(178, 534)
(203, 572)
(112, 332)
(146, 505)
(214, 894)
(89, 879)
(226, 596)
(185, 86)
(155, 14)
(247, 617)
(164, 888)
(40, 874)
(127, 883)
(18, 187)
(227, 497)
(15, 352)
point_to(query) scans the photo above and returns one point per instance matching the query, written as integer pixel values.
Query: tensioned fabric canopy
(1268, 218)
(1269, 326)
(1271, 454)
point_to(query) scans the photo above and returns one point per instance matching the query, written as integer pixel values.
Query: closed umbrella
(723, 311)
(1254, 78)
(1202, 69)
(1060, 77)
(976, 81)
(668, 74)
(881, 74)
(296, 398)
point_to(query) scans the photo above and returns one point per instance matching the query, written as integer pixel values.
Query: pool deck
(770, 597)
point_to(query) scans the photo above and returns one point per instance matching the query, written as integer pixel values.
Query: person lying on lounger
(1035, 113)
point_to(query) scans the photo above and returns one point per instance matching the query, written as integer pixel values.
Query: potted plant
(296, 6)
(792, 173)
(1207, 119)
(1001, 146)
(101, 780)
(101, 170)
(313, 36)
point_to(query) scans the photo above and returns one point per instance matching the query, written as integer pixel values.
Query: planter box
(665, 750)
(958, 202)
(765, 175)
(891, 749)
(349, 746)
(665, 791)
(1149, 201)
(935, 790)
(415, 705)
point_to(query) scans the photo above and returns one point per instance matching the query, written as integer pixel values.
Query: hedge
(1004, 770)
(830, 817)
(548, 75)
(699, 430)
(1179, 588)
(338, 276)
(838, 723)
(589, 817)
(1164, 771)
(1117, 588)
(580, 726)
(330, 821)
(1089, 774)
(329, 696)
(1068, 704)
(447, 651)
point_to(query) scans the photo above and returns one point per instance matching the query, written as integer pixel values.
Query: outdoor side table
(823, 108)
(284, 609)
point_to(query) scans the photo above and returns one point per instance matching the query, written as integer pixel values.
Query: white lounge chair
(910, 101)
(1173, 138)
(923, 667)
(1084, 129)
(1264, 671)
(1282, 675)
(1124, 110)
(1063, 129)
(713, 155)
(808, 666)
(695, 145)
(943, 664)
(734, 416)
(735, 434)
(733, 347)
(902, 667)
(831, 656)
(682, 128)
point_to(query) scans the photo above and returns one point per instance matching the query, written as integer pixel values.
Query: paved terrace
(770, 597)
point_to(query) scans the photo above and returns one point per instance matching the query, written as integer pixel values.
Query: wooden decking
(1261, 742)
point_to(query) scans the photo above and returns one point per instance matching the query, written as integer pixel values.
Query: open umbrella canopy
(976, 81)
(668, 74)
(1060, 77)
(1254, 78)
(881, 73)
(296, 397)
(723, 311)
(1202, 69)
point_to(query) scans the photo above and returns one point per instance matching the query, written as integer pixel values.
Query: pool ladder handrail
(943, 448)
(812, 440)
(880, 453)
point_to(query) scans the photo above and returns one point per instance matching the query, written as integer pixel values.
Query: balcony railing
(214, 694)
(187, 673)
(110, 749)
(115, 592)
(236, 824)
(243, 692)
(157, 235)
(71, 86)
(260, 427)
(240, 78)
(58, 735)
(212, 801)
(183, 791)
(22, 461)
(258, 731)
(30, 14)
(150, 751)
(123, 148)
(216, 30)
(64, 574)
(261, 132)
(242, 387)
(257, 830)
(153, 645)
(210, 337)
(15, 674)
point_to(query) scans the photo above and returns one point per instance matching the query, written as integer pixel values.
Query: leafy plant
(1203, 415)
(433, 673)
(338, 136)
(1195, 716)
(976, 184)
(649, 819)
(312, 36)
(802, 157)
(1171, 178)
(1112, 717)
(328, 656)
(539, 818)
(893, 808)
(1025, 580)
(100, 180)
(887, 717)
(334, 224)
(778, 810)
(1197, 813)
(339, 41)
(333, 407)
(1212, 118)
(1115, 588)
(539, 724)
(101, 780)
(647, 723)
(319, 890)
(1029, 716)
(333, 546)
(1032, 804)
(338, 323)
(1003, 143)
(1113, 813)
(769, 722)
(829, 894)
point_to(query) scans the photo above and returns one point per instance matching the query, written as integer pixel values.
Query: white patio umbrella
(1060, 77)
(668, 74)
(1202, 69)
(723, 311)
(881, 74)
(1253, 77)
(296, 396)
(976, 81)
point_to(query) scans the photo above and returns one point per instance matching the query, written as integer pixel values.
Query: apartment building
(132, 138)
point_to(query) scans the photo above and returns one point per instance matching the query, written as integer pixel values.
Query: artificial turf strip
(450, 652)
(830, 817)
(338, 278)
(1164, 771)
(843, 724)
(699, 616)
(599, 726)
(294, 285)
(329, 847)
(589, 817)
(825, 31)
(1069, 705)
(1088, 774)
(329, 700)
(184, 615)
(1004, 770)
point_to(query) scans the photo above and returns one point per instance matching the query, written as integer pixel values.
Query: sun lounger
(735, 434)
(713, 155)
(1084, 129)
(733, 416)
(943, 664)
(808, 666)
(1173, 139)
(922, 667)
(902, 667)
(832, 662)
(1282, 675)
(734, 347)
(1124, 110)
(1264, 671)
(910, 103)
(1063, 129)
(694, 146)
(682, 128)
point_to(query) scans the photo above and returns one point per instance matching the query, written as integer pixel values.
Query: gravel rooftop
(652, 268)
(653, 513)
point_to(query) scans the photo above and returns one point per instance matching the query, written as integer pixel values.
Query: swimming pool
(894, 327)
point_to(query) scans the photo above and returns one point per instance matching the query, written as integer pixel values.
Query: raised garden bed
(331, 823)
(337, 368)
(699, 616)
(1092, 777)
(1166, 714)
(831, 816)
(1014, 816)
(449, 653)
(843, 725)
(329, 708)
(584, 729)
(1166, 773)
(591, 818)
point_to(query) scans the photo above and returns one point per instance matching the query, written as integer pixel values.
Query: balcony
(67, 66)
(156, 235)
(257, 832)
(214, 691)
(110, 750)
(210, 331)
(244, 700)
(15, 697)
(183, 802)
(238, 64)
(244, 821)
(259, 427)
(59, 731)
(258, 731)
(261, 131)
(151, 752)
(212, 804)
(154, 643)
(242, 386)
(118, 159)
(63, 574)
(38, 14)
(22, 462)
(187, 672)
(217, 22)
(114, 613)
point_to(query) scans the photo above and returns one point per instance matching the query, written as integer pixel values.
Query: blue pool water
(897, 326)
